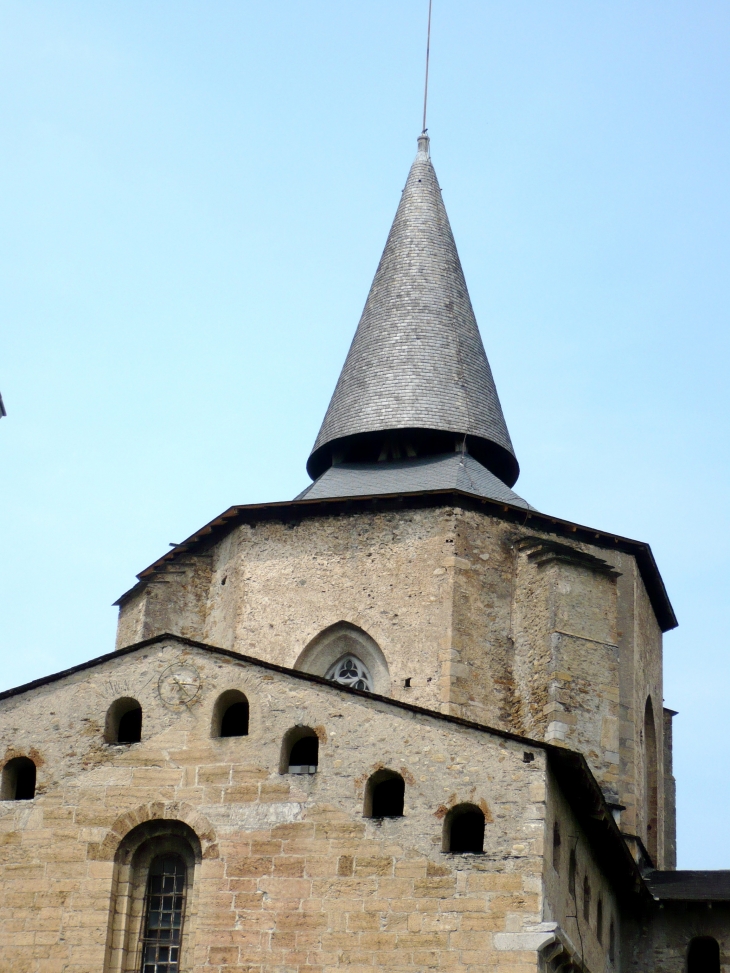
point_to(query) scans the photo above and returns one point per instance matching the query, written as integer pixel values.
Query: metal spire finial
(428, 51)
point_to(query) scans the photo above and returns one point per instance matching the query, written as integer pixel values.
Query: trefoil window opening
(350, 671)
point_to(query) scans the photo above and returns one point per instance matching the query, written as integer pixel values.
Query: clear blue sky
(195, 196)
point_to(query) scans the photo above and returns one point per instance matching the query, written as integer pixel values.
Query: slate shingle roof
(453, 471)
(417, 360)
(698, 886)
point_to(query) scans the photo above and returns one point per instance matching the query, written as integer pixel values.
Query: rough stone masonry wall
(292, 876)
(578, 919)
(659, 941)
(274, 586)
(559, 651)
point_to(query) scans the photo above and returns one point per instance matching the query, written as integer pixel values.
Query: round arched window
(349, 671)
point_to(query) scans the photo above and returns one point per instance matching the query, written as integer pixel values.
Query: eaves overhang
(289, 510)
(335, 506)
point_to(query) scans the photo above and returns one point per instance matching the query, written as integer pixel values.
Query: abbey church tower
(490, 610)
(403, 721)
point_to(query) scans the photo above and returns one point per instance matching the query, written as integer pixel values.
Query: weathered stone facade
(488, 619)
(505, 646)
(290, 874)
(407, 730)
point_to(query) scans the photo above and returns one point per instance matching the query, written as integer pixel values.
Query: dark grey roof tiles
(417, 360)
(699, 886)
(453, 471)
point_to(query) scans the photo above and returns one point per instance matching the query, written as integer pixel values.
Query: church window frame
(338, 642)
(163, 914)
(129, 941)
(350, 671)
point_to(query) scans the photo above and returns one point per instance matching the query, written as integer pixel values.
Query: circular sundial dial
(179, 684)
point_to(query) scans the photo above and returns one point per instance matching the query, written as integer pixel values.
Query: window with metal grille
(163, 917)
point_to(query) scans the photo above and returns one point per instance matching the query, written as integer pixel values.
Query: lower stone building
(404, 721)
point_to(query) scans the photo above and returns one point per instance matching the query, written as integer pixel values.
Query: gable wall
(292, 874)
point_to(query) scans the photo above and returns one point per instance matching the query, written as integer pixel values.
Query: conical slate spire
(416, 380)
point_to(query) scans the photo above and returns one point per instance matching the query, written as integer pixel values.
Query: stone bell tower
(412, 564)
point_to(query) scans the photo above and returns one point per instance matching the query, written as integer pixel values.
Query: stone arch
(651, 788)
(384, 795)
(145, 852)
(106, 850)
(299, 751)
(463, 831)
(231, 715)
(703, 955)
(556, 957)
(123, 722)
(338, 641)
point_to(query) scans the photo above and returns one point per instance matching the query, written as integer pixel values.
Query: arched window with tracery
(350, 671)
(348, 656)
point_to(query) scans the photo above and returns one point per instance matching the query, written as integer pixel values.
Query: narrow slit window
(164, 913)
(556, 846)
(571, 874)
(599, 921)
(586, 899)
